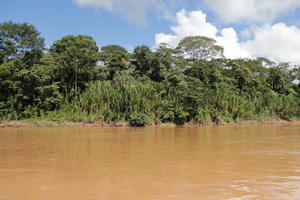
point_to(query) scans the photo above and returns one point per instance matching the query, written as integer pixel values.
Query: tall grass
(152, 102)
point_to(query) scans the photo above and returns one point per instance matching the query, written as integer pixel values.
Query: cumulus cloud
(232, 48)
(277, 42)
(134, 10)
(233, 11)
(194, 23)
(189, 23)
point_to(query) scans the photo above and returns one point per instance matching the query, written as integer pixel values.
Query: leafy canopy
(199, 48)
(16, 39)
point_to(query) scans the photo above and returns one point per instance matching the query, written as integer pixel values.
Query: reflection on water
(226, 162)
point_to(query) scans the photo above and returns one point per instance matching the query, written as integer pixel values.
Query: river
(186, 163)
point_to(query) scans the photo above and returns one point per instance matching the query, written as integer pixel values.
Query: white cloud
(278, 42)
(194, 23)
(232, 48)
(189, 23)
(134, 10)
(232, 11)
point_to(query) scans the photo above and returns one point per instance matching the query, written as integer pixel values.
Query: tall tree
(151, 64)
(199, 48)
(76, 56)
(115, 58)
(141, 59)
(18, 40)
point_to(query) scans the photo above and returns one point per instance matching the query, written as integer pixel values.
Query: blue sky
(57, 18)
(246, 28)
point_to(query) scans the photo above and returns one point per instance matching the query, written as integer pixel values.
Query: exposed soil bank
(43, 123)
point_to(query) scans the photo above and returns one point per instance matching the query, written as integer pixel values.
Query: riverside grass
(110, 101)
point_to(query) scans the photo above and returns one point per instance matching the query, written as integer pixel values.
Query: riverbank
(46, 123)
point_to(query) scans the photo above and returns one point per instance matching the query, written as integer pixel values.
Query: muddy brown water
(191, 163)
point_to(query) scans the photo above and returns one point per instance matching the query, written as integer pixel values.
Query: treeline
(77, 80)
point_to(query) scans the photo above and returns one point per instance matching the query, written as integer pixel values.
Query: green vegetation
(77, 81)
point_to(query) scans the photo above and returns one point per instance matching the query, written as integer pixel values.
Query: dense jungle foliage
(77, 80)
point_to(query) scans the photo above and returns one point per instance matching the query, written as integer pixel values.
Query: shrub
(138, 119)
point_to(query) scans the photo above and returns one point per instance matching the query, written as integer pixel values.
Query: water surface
(192, 163)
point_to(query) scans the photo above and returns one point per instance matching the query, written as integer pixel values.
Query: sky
(245, 28)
